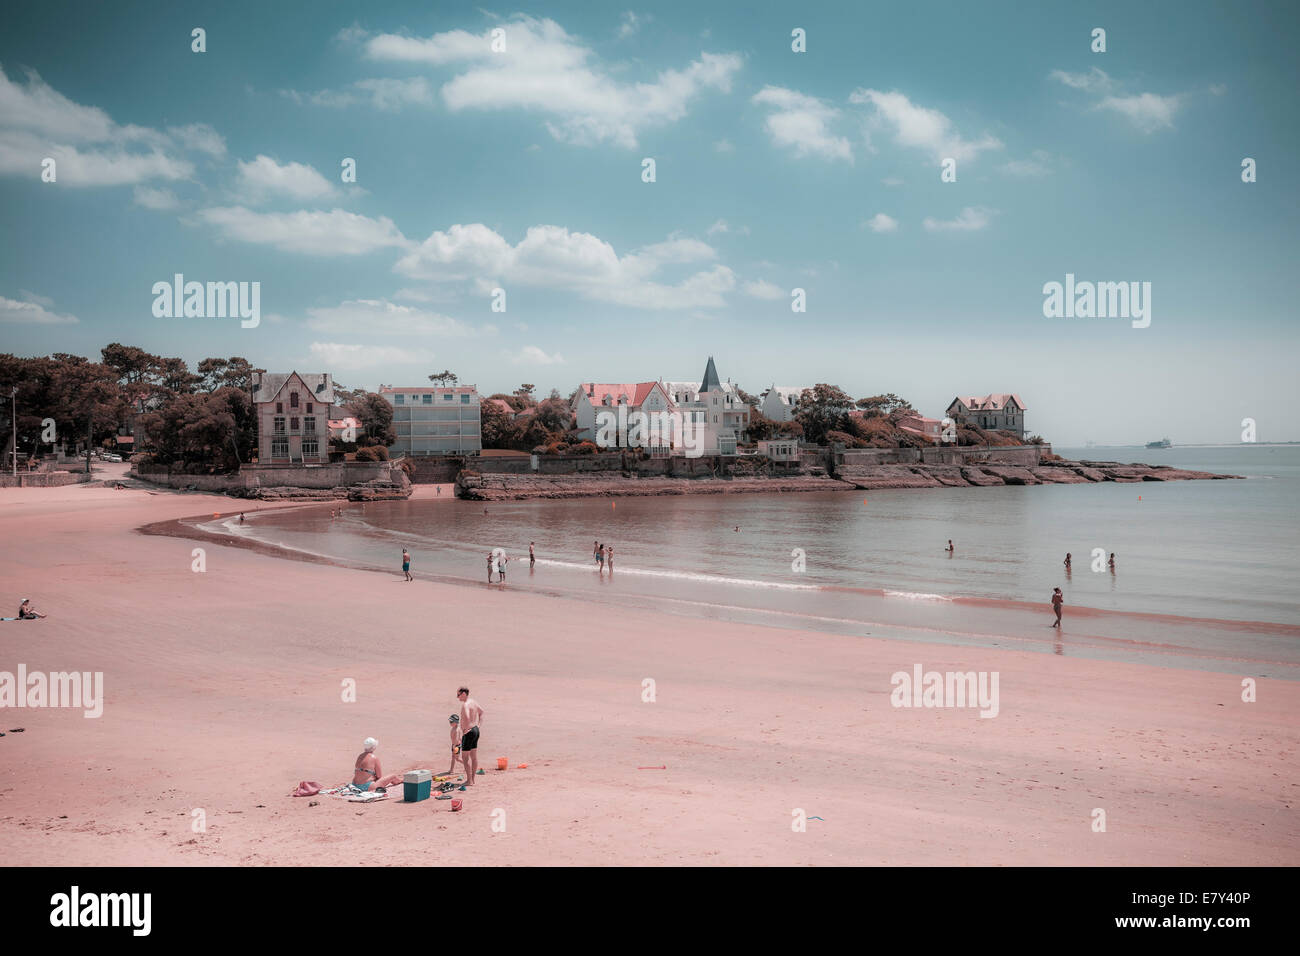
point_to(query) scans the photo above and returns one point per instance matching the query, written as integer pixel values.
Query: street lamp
(13, 394)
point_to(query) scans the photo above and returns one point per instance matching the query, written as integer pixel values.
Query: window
(464, 399)
(293, 424)
(447, 397)
(293, 399)
(280, 448)
(309, 408)
(310, 448)
(279, 426)
(279, 408)
(399, 399)
(309, 426)
(428, 399)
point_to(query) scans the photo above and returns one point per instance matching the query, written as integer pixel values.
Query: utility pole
(13, 394)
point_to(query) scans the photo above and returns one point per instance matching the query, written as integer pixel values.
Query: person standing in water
(502, 560)
(610, 558)
(1111, 564)
(950, 548)
(406, 564)
(1067, 561)
(1057, 600)
(532, 558)
(489, 567)
(595, 551)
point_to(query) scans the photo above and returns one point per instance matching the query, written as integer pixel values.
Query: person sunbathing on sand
(26, 612)
(368, 771)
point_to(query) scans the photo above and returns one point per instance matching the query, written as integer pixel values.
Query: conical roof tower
(711, 382)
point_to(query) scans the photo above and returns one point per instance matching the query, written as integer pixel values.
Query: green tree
(883, 404)
(445, 377)
(376, 418)
(495, 426)
(822, 409)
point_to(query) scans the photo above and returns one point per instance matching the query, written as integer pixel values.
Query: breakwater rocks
(377, 490)
(512, 487)
(1063, 472)
(506, 487)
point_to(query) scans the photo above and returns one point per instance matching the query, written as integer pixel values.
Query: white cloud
(1035, 166)
(35, 311)
(1147, 111)
(921, 128)
(803, 123)
(312, 232)
(762, 289)
(970, 219)
(1094, 81)
(554, 257)
(882, 223)
(89, 149)
(719, 226)
(200, 137)
(532, 355)
(545, 70)
(264, 178)
(631, 24)
(724, 146)
(386, 95)
(339, 355)
(892, 181)
(162, 200)
(382, 317)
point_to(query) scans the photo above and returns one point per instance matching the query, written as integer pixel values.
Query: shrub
(372, 453)
(584, 448)
(845, 439)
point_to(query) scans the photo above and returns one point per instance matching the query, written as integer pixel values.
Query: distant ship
(1162, 443)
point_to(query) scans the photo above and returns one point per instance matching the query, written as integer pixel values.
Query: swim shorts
(470, 740)
(406, 565)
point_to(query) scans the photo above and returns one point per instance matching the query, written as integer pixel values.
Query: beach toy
(456, 805)
(216, 514)
(443, 796)
(462, 786)
(416, 785)
(521, 766)
(480, 770)
(502, 763)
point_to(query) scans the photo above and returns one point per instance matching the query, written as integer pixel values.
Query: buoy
(1139, 497)
(216, 514)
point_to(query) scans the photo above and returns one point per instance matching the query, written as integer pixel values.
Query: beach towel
(351, 793)
(306, 788)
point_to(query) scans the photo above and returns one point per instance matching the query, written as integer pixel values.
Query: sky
(522, 168)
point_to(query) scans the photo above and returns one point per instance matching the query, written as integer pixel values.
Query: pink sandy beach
(223, 690)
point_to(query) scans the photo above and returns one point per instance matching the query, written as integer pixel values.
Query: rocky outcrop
(504, 487)
(511, 487)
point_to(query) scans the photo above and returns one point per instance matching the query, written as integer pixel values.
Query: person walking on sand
(1057, 600)
(489, 567)
(471, 719)
(406, 564)
(532, 558)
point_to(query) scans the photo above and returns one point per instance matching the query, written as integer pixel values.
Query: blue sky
(775, 170)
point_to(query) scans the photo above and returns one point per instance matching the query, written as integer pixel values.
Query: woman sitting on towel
(368, 771)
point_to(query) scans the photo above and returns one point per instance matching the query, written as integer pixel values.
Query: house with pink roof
(998, 411)
(636, 396)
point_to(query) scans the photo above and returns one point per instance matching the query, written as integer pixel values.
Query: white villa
(713, 404)
(293, 412)
(779, 402)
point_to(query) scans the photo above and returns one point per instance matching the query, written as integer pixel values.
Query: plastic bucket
(502, 763)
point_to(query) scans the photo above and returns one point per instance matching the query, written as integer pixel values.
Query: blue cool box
(416, 785)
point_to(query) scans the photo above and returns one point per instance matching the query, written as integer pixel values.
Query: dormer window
(293, 399)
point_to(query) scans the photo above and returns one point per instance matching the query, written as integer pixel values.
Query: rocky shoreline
(507, 487)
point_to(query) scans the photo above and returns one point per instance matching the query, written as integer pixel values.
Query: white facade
(779, 402)
(435, 420)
